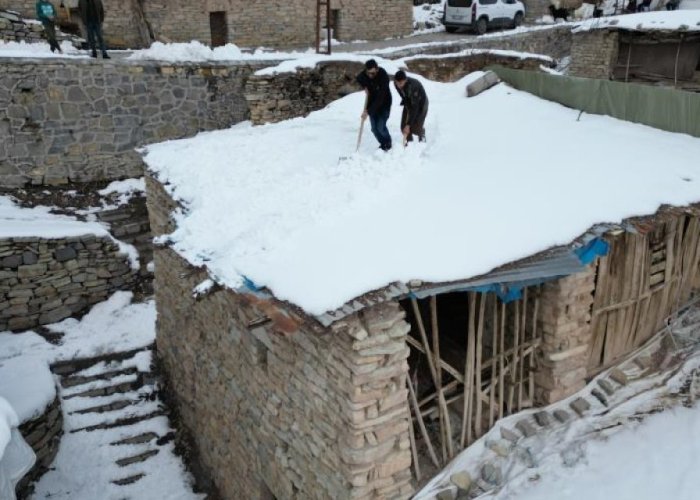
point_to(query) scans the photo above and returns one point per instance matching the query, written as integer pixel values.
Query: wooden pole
(442, 411)
(501, 367)
(466, 435)
(514, 359)
(414, 449)
(479, 334)
(421, 424)
(494, 350)
(521, 355)
(532, 352)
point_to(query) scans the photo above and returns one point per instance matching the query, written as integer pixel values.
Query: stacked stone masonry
(16, 30)
(565, 323)
(283, 406)
(451, 69)
(594, 54)
(270, 23)
(80, 121)
(43, 434)
(43, 281)
(274, 98)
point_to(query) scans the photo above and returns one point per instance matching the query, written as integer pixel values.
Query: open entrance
(219, 29)
(472, 362)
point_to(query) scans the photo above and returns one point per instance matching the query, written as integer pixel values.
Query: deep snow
(503, 176)
(683, 20)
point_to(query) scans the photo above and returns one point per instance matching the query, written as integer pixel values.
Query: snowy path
(118, 442)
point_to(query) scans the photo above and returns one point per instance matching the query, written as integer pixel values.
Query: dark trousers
(378, 124)
(94, 30)
(50, 32)
(417, 123)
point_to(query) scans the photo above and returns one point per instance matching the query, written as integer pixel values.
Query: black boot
(94, 54)
(105, 56)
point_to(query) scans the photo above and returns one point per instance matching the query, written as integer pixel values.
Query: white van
(481, 15)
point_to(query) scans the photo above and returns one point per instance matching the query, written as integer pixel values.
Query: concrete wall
(44, 281)
(80, 120)
(283, 407)
(594, 54)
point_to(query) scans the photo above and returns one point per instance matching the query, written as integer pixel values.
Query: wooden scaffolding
(466, 392)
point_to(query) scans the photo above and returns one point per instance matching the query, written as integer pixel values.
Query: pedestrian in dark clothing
(46, 13)
(415, 106)
(375, 81)
(92, 13)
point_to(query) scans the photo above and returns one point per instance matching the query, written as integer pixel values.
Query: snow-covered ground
(17, 221)
(319, 231)
(427, 18)
(88, 461)
(40, 50)
(683, 20)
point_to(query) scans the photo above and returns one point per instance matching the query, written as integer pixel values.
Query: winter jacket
(379, 93)
(414, 99)
(45, 11)
(91, 11)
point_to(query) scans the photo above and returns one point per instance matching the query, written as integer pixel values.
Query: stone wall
(552, 41)
(43, 281)
(80, 120)
(373, 19)
(277, 405)
(43, 434)
(273, 98)
(451, 69)
(565, 324)
(13, 29)
(594, 54)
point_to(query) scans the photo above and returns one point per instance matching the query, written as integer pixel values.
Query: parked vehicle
(480, 15)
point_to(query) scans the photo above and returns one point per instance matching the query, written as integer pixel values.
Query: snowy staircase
(113, 414)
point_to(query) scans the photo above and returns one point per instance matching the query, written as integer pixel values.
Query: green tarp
(659, 107)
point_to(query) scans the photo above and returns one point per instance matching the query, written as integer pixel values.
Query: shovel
(359, 139)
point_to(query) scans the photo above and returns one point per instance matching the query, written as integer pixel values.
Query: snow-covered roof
(503, 176)
(677, 20)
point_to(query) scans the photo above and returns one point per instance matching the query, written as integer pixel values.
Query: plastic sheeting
(660, 107)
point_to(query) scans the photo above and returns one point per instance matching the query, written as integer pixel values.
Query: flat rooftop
(503, 176)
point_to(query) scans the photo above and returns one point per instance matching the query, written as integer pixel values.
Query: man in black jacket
(415, 106)
(375, 81)
(92, 13)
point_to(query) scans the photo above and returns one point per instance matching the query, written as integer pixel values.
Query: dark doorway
(219, 30)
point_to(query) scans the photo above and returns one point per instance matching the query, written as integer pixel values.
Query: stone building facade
(594, 54)
(278, 406)
(270, 23)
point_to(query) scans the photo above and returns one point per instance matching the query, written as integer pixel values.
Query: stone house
(324, 406)
(645, 54)
(270, 23)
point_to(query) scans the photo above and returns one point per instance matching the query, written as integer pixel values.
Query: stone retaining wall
(594, 54)
(43, 434)
(273, 98)
(16, 30)
(451, 69)
(276, 405)
(43, 281)
(129, 223)
(80, 120)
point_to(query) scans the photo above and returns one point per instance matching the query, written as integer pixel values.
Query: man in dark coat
(375, 81)
(415, 106)
(92, 13)
(46, 13)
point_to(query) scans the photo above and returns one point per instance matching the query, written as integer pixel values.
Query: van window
(487, 2)
(459, 3)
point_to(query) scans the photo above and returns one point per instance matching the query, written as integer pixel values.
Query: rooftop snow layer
(677, 20)
(503, 176)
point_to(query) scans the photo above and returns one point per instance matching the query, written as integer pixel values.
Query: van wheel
(451, 29)
(481, 26)
(518, 19)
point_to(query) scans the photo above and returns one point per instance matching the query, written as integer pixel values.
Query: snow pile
(319, 232)
(8, 420)
(198, 52)
(27, 384)
(17, 222)
(686, 20)
(427, 18)
(124, 190)
(38, 50)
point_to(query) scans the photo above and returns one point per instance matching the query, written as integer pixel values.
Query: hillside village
(332, 249)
